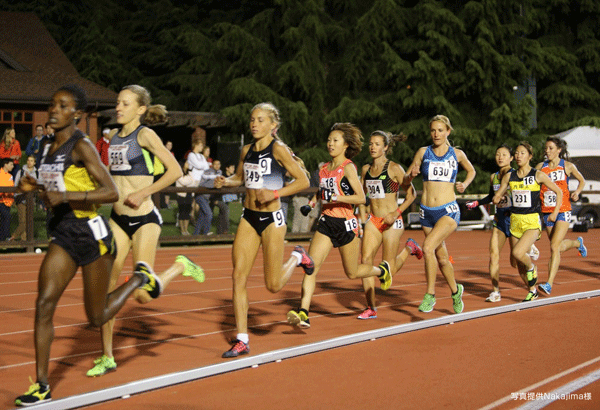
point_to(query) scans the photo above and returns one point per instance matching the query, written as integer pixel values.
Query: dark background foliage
(503, 71)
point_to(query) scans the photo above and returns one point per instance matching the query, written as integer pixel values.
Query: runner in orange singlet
(340, 190)
(559, 170)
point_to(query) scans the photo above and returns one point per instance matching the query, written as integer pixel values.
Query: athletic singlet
(559, 176)
(337, 182)
(58, 172)
(126, 156)
(380, 185)
(506, 201)
(261, 169)
(525, 193)
(440, 169)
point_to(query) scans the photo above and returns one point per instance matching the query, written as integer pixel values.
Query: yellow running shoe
(35, 395)
(102, 365)
(386, 276)
(191, 269)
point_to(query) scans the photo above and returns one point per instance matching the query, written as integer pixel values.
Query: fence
(35, 218)
(36, 236)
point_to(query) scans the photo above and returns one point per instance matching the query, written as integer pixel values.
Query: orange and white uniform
(559, 176)
(335, 183)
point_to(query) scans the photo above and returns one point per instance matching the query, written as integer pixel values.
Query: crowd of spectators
(194, 210)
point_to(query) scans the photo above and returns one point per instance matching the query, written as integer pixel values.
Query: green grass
(169, 216)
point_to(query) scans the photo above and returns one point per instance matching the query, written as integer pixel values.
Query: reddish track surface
(468, 365)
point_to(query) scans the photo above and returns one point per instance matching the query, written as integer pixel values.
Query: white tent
(582, 141)
(583, 145)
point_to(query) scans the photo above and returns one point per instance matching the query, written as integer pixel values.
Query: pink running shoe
(368, 313)
(415, 249)
(307, 263)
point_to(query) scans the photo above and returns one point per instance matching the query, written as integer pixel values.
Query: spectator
(165, 199)
(31, 170)
(226, 199)
(196, 162)
(184, 201)
(49, 132)
(169, 147)
(217, 200)
(205, 213)
(34, 146)
(10, 148)
(206, 154)
(6, 198)
(229, 171)
(102, 146)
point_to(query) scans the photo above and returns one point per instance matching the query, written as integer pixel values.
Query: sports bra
(127, 157)
(380, 185)
(439, 169)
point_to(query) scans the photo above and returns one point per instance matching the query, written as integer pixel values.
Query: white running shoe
(534, 253)
(494, 297)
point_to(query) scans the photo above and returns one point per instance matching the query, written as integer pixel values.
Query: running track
(470, 364)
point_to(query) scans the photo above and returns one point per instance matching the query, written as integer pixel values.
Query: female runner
(440, 213)
(381, 181)
(525, 225)
(340, 190)
(135, 221)
(504, 157)
(74, 182)
(559, 170)
(262, 167)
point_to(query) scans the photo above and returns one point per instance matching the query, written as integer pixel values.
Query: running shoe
(35, 395)
(151, 283)
(427, 304)
(415, 249)
(545, 287)
(534, 253)
(386, 276)
(532, 276)
(582, 249)
(531, 296)
(305, 261)
(457, 302)
(299, 319)
(102, 366)
(494, 297)
(191, 269)
(368, 313)
(239, 348)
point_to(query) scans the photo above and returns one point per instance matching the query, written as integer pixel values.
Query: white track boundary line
(557, 376)
(565, 390)
(158, 382)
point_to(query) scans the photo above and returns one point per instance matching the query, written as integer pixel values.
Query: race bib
(521, 199)
(98, 227)
(557, 175)
(441, 171)
(53, 181)
(279, 218)
(351, 224)
(398, 224)
(452, 208)
(117, 158)
(505, 202)
(329, 184)
(550, 199)
(252, 176)
(253, 173)
(375, 189)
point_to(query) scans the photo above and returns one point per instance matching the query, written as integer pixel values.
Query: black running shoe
(151, 283)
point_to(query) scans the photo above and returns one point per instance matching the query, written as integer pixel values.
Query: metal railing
(36, 236)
